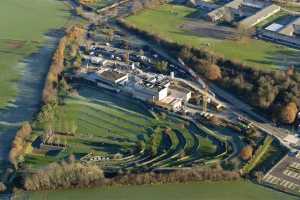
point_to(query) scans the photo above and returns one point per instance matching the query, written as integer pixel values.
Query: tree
(161, 66)
(2, 187)
(110, 34)
(288, 113)
(246, 152)
(213, 72)
(126, 56)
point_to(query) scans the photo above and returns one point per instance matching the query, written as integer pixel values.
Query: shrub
(2, 187)
(19, 143)
(63, 175)
(288, 113)
(246, 152)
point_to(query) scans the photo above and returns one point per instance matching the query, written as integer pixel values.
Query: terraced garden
(126, 131)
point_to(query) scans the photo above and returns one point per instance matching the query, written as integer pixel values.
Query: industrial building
(258, 17)
(286, 34)
(148, 88)
(248, 13)
(292, 28)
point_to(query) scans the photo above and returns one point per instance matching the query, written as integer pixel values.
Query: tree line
(19, 143)
(71, 174)
(276, 92)
(64, 175)
(57, 66)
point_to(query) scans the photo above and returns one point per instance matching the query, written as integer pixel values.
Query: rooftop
(111, 75)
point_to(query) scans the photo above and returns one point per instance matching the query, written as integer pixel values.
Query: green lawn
(239, 190)
(166, 22)
(109, 123)
(23, 27)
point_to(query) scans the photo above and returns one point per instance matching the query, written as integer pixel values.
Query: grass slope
(166, 22)
(23, 27)
(239, 190)
(110, 123)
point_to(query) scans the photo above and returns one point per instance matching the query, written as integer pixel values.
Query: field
(192, 191)
(102, 3)
(169, 21)
(108, 124)
(24, 25)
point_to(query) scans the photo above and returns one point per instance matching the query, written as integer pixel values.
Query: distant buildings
(219, 13)
(249, 12)
(258, 17)
(292, 28)
(287, 34)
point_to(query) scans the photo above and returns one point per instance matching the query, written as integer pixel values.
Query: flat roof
(274, 27)
(260, 15)
(112, 75)
(180, 89)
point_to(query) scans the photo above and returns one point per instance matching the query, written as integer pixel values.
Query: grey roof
(289, 29)
(112, 75)
(259, 16)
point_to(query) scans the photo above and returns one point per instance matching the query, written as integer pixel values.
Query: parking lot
(286, 174)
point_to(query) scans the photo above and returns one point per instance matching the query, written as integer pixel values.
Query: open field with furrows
(108, 124)
(239, 190)
(170, 22)
(24, 25)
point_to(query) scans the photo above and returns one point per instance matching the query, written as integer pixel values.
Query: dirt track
(206, 29)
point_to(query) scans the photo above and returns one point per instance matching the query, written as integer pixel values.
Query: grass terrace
(168, 20)
(108, 123)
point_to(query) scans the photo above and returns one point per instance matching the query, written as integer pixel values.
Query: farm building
(291, 28)
(283, 34)
(258, 17)
(218, 13)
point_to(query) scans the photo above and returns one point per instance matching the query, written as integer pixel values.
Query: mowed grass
(108, 123)
(23, 27)
(166, 21)
(239, 190)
